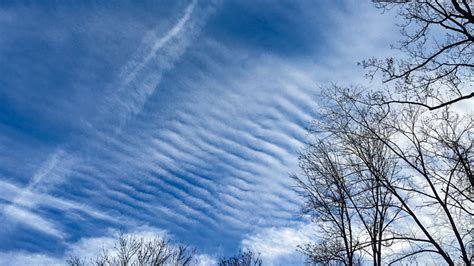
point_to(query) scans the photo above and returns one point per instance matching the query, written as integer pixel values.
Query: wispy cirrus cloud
(127, 96)
(156, 54)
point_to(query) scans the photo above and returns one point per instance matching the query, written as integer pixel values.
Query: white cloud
(134, 67)
(51, 172)
(157, 54)
(205, 260)
(28, 259)
(278, 245)
(32, 220)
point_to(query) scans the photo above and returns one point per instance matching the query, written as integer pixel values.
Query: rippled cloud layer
(169, 117)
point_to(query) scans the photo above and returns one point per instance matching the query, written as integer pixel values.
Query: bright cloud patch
(279, 244)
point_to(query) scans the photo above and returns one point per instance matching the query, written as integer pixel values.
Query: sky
(179, 118)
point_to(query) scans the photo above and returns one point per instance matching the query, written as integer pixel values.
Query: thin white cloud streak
(28, 199)
(158, 44)
(21, 203)
(54, 168)
(142, 75)
(32, 220)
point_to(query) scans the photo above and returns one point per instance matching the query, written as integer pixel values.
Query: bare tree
(133, 250)
(243, 258)
(343, 187)
(75, 261)
(374, 203)
(435, 154)
(438, 44)
(183, 255)
(399, 160)
(326, 189)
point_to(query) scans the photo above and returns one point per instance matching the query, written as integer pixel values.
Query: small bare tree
(132, 250)
(243, 258)
(75, 261)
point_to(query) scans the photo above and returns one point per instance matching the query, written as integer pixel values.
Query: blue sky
(183, 118)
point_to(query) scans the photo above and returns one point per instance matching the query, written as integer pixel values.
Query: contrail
(20, 214)
(178, 28)
(142, 74)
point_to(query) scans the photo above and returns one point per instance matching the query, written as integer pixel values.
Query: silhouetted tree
(75, 261)
(244, 258)
(438, 46)
(344, 192)
(404, 142)
(133, 250)
(327, 190)
(421, 160)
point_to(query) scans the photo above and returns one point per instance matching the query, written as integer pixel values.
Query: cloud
(136, 83)
(25, 258)
(157, 54)
(28, 199)
(21, 201)
(278, 245)
(195, 135)
(225, 154)
(158, 43)
(205, 260)
(33, 220)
